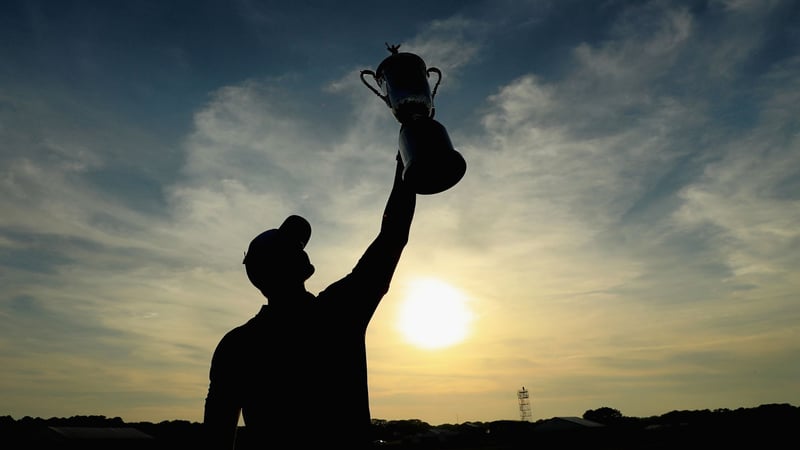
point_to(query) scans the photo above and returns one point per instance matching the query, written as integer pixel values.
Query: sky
(625, 234)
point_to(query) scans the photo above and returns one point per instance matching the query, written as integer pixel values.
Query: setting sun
(434, 314)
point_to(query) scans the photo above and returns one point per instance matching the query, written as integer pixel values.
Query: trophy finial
(392, 48)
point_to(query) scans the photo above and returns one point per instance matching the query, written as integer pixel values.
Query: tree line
(765, 422)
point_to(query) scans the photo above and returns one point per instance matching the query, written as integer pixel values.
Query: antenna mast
(524, 405)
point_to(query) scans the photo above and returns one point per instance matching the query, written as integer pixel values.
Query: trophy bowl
(431, 164)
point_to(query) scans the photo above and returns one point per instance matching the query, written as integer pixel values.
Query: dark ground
(770, 426)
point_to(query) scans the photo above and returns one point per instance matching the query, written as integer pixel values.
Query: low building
(566, 424)
(118, 438)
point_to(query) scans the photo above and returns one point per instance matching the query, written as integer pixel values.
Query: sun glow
(434, 314)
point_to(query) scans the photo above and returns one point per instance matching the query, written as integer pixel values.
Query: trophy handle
(372, 74)
(438, 79)
(435, 87)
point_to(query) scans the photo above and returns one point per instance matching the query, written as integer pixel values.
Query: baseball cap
(267, 250)
(294, 233)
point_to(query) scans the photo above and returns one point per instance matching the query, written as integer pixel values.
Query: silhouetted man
(297, 371)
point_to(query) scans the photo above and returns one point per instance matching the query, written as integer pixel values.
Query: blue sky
(625, 234)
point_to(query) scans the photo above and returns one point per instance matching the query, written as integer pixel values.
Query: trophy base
(431, 163)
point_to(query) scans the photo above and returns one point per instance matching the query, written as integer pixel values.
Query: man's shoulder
(253, 324)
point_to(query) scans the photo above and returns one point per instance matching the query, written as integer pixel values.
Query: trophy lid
(398, 57)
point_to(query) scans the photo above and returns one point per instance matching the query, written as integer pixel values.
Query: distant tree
(604, 415)
(388, 430)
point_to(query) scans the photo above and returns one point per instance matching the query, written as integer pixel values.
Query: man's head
(276, 259)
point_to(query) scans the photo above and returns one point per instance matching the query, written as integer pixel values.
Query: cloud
(449, 44)
(585, 152)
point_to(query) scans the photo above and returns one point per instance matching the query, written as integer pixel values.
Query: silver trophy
(431, 163)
